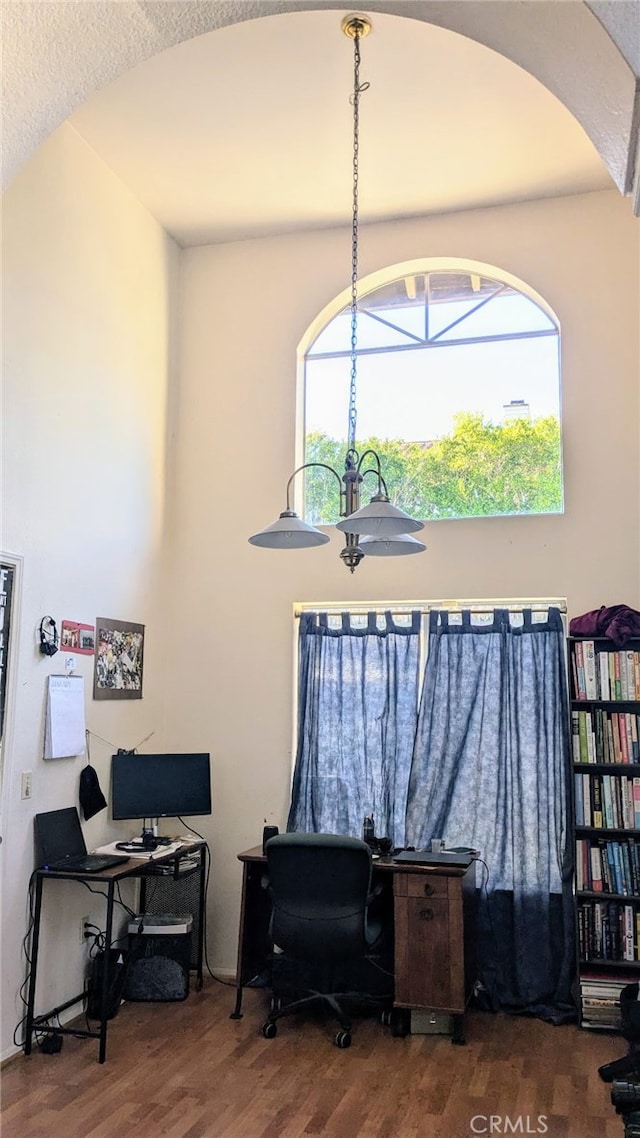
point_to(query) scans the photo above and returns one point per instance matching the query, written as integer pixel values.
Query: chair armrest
(375, 892)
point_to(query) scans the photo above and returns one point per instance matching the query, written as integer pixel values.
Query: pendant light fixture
(384, 528)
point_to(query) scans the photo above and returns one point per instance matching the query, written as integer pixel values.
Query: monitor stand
(147, 841)
(151, 841)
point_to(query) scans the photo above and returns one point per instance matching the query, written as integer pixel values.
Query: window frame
(395, 272)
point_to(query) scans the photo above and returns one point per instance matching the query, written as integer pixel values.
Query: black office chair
(322, 933)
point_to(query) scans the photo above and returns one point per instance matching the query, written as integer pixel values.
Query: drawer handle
(428, 890)
(426, 914)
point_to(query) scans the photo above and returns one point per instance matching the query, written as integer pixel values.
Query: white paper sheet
(142, 855)
(64, 732)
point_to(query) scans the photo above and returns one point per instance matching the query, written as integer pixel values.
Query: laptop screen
(59, 835)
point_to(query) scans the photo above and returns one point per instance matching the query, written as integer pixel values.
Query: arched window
(458, 391)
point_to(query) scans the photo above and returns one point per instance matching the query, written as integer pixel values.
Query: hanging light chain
(356, 29)
(385, 528)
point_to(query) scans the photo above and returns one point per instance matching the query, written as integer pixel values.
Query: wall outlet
(27, 784)
(82, 931)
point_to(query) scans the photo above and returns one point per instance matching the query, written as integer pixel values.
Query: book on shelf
(589, 664)
(575, 736)
(578, 799)
(616, 687)
(597, 792)
(605, 737)
(606, 809)
(594, 984)
(630, 948)
(586, 799)
(617, 868)
(600, 1000)
(606, 802)
(577, 657)
(604, 1019)
(596, 870)
(605, 753)
(608, 932)
(600, 672)
(603, 674)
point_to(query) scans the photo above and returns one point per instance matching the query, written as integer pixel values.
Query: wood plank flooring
(185, 1070)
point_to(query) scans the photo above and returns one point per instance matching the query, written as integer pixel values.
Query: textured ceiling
(460, 121)
(247, 131)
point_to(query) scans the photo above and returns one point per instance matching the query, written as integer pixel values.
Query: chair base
(333, 1002)
(628, 1065)
(313, 999)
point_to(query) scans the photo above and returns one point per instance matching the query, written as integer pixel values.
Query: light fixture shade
(289, 532)
(379, 519)
(398, 546)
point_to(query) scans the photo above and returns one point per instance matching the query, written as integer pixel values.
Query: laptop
(426, 857)
(62, 845)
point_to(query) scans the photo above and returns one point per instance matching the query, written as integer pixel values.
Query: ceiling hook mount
(356, 25)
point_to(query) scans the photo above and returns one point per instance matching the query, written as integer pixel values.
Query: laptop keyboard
(90, 863)
(425, 857)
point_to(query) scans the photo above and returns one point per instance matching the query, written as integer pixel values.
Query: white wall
(130, 492)
(87, 310)
(244, 309)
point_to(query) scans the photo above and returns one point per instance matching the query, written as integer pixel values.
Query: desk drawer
(423, 885)
(427, 964)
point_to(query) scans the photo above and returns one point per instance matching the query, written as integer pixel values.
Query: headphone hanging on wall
(48, 636)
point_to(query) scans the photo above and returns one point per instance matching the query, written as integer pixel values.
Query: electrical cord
(52, 1021)
(98, 949)
(218, 980)
(101, 893)
(26, 951)
(98, 937)
(484, 888)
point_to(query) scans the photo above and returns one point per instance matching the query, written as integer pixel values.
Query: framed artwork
(8, 573)
(119, 651)
(76, 637)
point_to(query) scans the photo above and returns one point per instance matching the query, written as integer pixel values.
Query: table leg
(104, 1001)
(35, 940)
(236, 1013)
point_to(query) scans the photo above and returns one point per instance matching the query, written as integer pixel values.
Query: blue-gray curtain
(357, 712)
(491, 771)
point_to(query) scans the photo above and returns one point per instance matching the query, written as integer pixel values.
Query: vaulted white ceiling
(246, 131)
(56, 55)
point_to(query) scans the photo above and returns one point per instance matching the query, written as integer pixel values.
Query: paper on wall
(64, 731)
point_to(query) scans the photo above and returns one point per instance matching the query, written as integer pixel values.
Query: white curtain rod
(512, 605)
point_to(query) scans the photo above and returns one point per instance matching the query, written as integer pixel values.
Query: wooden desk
(108, 878)
(433, 936)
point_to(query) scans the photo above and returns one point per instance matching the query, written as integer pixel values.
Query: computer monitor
(160, 786)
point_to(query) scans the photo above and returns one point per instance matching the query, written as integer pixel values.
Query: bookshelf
(605, 741)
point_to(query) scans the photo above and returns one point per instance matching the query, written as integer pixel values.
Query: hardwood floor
(185, 1070)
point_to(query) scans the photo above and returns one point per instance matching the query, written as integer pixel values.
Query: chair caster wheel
(269, 1030)
(385, 1018)
(343, 1039)
(276, 1004)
